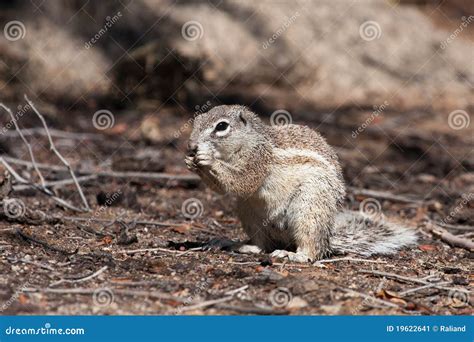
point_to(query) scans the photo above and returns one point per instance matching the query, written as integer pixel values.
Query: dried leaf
(22, 299)
(427, 248)
(107, 240)
(182, 229)
(398, 301)
(118, 129)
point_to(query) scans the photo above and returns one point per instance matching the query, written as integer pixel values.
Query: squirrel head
(228, 132)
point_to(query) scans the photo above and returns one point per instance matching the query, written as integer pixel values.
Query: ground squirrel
(289, 188)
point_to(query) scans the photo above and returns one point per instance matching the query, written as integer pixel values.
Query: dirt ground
(116, 261)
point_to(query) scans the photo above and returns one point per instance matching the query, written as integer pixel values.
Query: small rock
(451, 270)
(331, 309)
(297, 303)
(460, 281)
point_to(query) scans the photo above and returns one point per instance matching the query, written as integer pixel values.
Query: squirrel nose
(192, 148)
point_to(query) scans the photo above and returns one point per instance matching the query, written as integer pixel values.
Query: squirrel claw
(189, 160)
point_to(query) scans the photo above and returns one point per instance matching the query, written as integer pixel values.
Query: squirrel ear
(242, 117)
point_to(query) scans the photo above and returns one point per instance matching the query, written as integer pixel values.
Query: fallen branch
(424, 287)
(235, 291)
(80, 280)
(28, 146)
(57, 184)
(450, 239)
(411, 280)
(42, 189)
(157, 249)
(452, 226)
(156, 176)
(111, 221)
(89, 291)
(252, 310)
(383, 195)
(31, 262)
(206, 304)
(369, 297)
(41, 166)
(350, 259)
(63, 160)
(44, 243)
(55, 133)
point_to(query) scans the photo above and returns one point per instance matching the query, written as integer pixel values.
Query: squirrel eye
(221, 126)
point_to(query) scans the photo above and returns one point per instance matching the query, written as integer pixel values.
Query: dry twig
(44, 243)
(42, 189)
(369, 297)
(55, 133)
(411, 280)
(63, 160)
(383, 195)
(80, 280)
(206, 303)
(453, 226)
(152, 176)
(28, 146)
(90, 291)
(350, 259)
(452, 240)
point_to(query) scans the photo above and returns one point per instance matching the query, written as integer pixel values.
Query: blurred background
(331, 63)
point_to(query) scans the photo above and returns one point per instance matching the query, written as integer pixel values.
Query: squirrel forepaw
(203, 158)
(299, 257)
(189, 160)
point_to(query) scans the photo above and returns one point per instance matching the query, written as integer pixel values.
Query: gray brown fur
(289, 187)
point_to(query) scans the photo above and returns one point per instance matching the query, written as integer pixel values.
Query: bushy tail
(356, 233)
